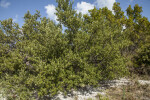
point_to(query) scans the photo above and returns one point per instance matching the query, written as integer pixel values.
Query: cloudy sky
(17, 8)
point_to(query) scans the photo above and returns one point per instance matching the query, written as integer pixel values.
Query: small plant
(123, 95)
(89, 99)
(100, 97)
(76, 98)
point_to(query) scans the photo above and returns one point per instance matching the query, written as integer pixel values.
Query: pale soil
(111, 89)
(122, 89)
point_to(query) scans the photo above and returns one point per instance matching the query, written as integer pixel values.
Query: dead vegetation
(135, 91)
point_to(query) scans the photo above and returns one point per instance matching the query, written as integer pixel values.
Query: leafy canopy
(37, 59)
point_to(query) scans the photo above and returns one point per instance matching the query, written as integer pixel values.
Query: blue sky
(17, 8)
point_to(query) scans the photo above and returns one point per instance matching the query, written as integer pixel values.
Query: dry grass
(132, 92)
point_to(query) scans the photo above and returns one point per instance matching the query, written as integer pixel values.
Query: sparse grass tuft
(135, 91)
(101, 97)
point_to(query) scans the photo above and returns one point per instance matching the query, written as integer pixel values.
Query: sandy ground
(93, 92)
(90, 92)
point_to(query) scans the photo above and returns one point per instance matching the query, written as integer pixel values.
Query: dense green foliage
(142, 60)
(37, 59)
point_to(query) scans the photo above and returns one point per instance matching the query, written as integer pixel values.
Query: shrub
(142, 60)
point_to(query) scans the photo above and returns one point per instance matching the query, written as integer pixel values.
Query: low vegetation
(130, 92)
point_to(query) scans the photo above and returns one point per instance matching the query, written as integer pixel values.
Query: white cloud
(131, 0)
(105, 3)
(50, 10)
(15, 19)
(4, 3)
(83, 7)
